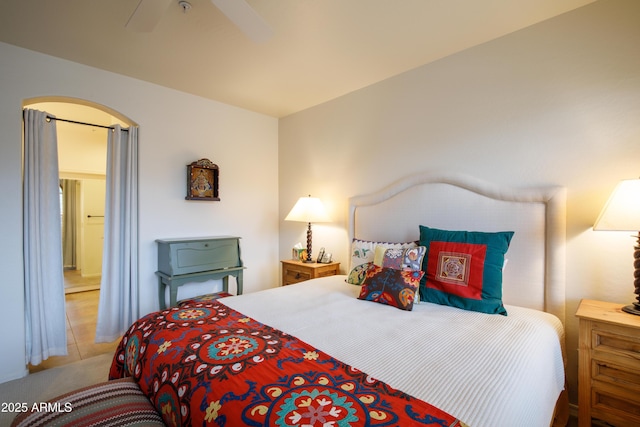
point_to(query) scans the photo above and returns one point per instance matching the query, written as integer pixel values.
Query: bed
(331, 352)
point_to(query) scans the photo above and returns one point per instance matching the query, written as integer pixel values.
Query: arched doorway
(82, 162)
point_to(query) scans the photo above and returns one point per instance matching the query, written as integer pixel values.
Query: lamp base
(632, 309)
(310, 261)
(635, 307)
(308, 258)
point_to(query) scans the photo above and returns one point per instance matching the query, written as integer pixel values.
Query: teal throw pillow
(464, 268)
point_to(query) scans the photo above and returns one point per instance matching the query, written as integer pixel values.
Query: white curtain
(46, 327)
(69, 223)
(118, 306)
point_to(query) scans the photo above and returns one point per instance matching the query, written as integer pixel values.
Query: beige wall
(557, 103)
(175, 130)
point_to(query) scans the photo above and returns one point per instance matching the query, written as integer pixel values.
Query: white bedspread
(486, 370)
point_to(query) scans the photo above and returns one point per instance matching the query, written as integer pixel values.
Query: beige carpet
(44, 385)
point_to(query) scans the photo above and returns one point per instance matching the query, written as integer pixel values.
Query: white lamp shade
(622, 211)
(308, 209)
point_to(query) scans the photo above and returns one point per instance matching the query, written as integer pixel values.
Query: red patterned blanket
(206, 364)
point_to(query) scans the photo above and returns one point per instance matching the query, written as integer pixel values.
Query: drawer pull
(297, 275)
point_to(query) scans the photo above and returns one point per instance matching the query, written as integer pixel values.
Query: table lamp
(622, 213)
(308, 209)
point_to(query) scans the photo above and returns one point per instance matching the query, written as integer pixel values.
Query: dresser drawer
(176, 257)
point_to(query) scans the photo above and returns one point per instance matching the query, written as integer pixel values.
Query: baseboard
(15, 376)
(573, 410)
(76, 289)
(573, 413)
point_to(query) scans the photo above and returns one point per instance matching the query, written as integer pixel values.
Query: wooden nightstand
(608, 364)
(297, 271)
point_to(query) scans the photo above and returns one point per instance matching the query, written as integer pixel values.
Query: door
(92, 228)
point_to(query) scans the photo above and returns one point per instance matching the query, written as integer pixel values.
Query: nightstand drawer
(609, 364)
(620, 343)
(607, 371)
(297, 271)
(292, 276)
(615, 405)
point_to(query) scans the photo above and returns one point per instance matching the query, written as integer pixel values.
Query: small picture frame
(202, 180)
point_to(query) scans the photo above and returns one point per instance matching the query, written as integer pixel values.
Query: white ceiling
(320, 50)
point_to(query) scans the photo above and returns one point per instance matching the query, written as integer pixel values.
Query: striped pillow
(112, 403)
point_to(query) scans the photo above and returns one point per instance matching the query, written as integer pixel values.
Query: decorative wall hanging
(202, 180)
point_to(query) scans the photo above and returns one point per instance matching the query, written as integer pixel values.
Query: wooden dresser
(197, 259)
(297, 271)
(608, 364)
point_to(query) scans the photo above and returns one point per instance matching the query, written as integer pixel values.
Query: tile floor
(74, 282)
(82, 315)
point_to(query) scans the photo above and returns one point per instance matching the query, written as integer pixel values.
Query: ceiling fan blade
(147, 15)
(246, 18)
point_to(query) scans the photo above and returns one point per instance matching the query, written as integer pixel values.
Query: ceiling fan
(149, 12)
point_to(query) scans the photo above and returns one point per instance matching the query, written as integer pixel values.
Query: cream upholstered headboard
(534, 273)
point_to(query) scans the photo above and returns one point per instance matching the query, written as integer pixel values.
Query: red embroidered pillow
(464, 268)
(391, 287)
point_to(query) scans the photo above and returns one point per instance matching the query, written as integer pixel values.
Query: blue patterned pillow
(392, 287)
